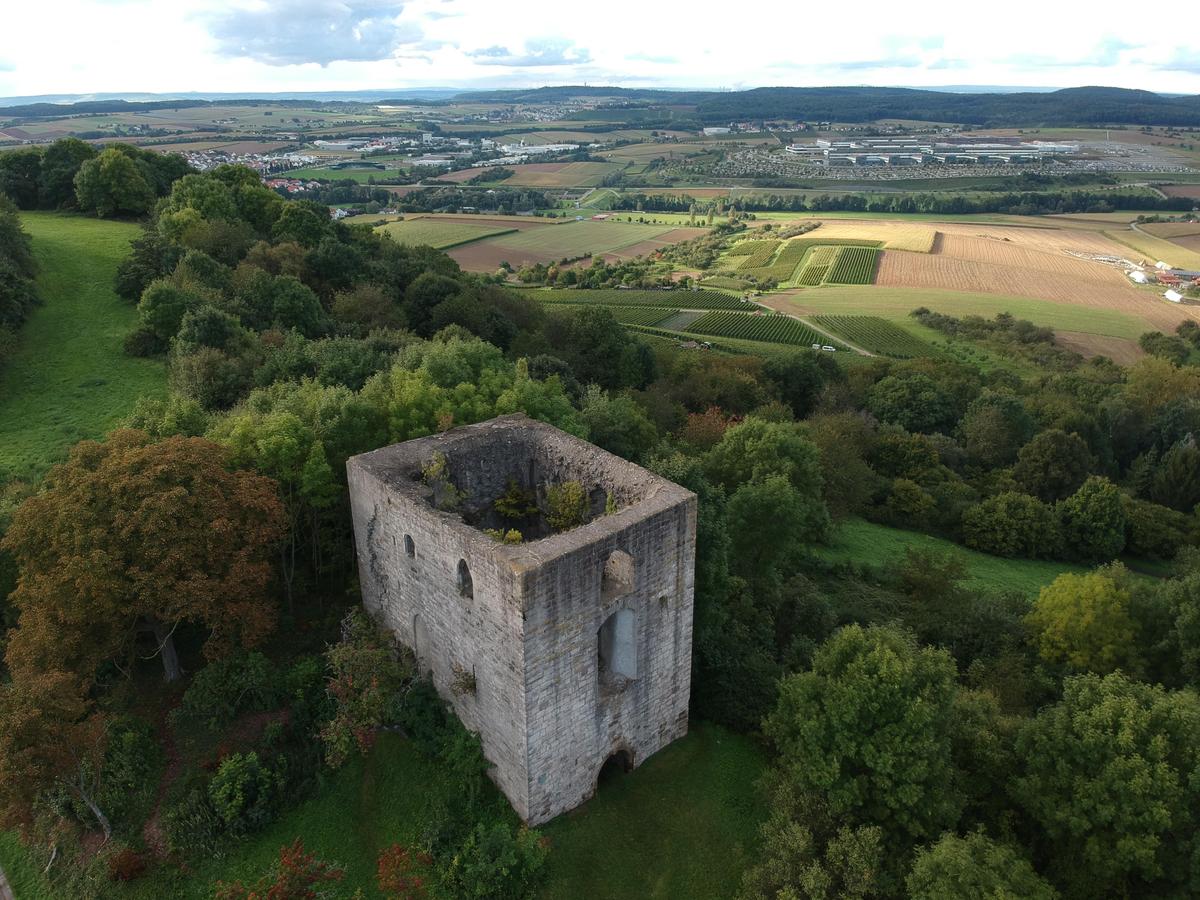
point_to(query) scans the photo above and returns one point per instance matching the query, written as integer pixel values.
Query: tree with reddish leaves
(403, 874)
(298, 875)
(135, 537)
(51, 737)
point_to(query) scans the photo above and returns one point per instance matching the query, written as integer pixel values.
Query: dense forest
(184, 662)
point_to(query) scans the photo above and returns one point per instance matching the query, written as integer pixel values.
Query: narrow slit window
(465, 587)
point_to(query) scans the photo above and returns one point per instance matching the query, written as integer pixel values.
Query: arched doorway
(614, 768)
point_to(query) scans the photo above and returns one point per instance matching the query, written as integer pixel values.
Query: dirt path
(836, 338)
(5, 891)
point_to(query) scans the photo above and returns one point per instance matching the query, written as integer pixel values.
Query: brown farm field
(641, 248)
(1029, 267)
(577, 174)
(517, 223)
(1108, 290)
(1182, 190)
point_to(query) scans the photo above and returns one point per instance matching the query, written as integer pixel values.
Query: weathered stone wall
(576, 717)
(418, 598)
(548, 717)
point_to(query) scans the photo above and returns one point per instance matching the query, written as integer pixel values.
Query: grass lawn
(878, 545)
(23, 874)
(897, 302)
(681, 825)
(441, 235)
(70, 378)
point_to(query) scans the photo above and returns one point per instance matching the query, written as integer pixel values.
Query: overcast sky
(85, 46)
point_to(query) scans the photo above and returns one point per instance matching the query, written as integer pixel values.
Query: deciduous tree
(869, 729)
(975, 866)
(131, 535)
(1109, 777)
(1083, 621)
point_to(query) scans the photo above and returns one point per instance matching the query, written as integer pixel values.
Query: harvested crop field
(1182, 190)
(1153, 249)
(1044, 239)
(508, 223)
(641, 248)
(1191, 243)
(697, 193)
(948, 273)
(1119, 350)
(577, 174)
(1171, 229)
(998, 252)
(917, 237)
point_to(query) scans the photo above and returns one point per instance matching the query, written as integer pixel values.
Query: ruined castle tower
(564, 651)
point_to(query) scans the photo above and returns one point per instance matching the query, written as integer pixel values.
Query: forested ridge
(1080, 106)
(184, 662)
(1070, 106)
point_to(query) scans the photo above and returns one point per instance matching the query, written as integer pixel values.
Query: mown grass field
(441, 235)
(866, 543)
(574, 239)
(896, 303)
(681, 825)
(70, 378)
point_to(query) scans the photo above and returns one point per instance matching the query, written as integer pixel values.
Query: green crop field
(759, 255)
(684, 824)
(816, 266)
(441, 235)
(617, 297)
(768, 329)
(854, 265)
(876, 334)
(70, 378)
(780, 267)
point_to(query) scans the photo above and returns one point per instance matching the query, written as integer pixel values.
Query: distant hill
(50, 105)
(1069, 106)
(1084, 106)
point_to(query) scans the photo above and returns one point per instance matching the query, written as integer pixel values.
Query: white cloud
(77, 46)
(295, 32)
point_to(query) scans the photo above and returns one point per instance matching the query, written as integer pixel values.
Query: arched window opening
(410, 549)
(616, 646)
(617, 580)
(465, 587)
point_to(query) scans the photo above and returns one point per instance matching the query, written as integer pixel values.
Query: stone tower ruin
(564, 651)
